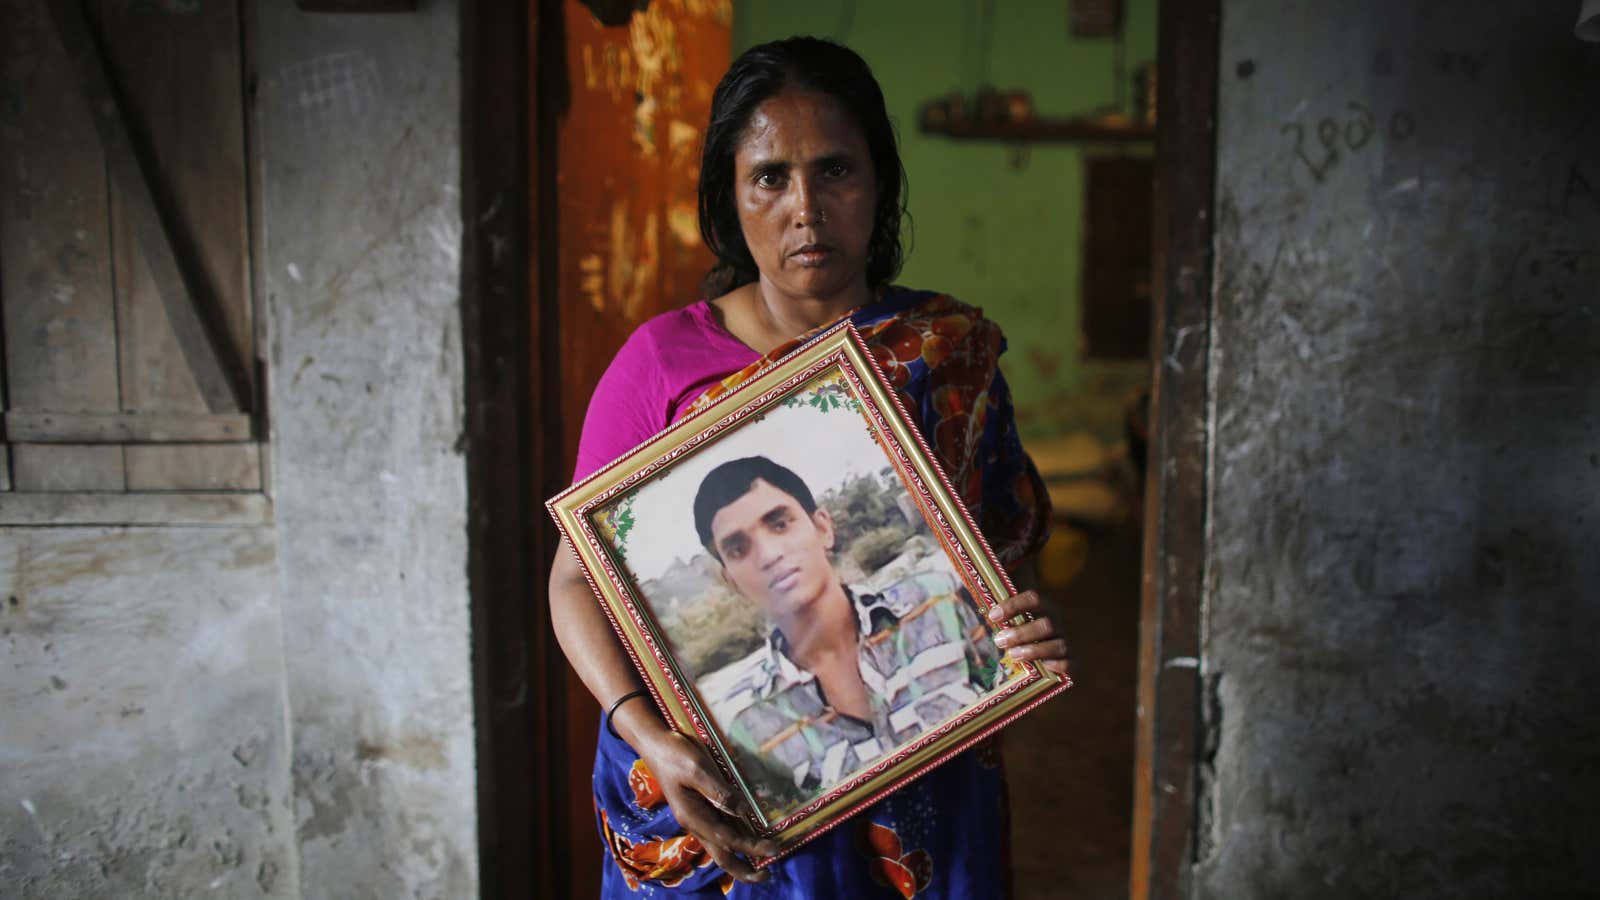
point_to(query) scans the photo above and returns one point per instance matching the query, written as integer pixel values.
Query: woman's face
(807, 195)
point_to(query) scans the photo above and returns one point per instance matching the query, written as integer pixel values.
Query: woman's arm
(691, 784)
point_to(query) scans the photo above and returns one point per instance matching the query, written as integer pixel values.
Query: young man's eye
(769, 180)
(838, 170)
(735, 551)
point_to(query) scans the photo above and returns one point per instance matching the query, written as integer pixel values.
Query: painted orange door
(638, 97)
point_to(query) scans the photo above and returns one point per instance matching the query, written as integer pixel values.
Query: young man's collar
(872, 616)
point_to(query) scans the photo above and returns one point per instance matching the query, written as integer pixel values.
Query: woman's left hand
(1038, 640)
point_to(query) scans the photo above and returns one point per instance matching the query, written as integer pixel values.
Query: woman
(800, 199)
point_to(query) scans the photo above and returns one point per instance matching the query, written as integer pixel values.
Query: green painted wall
(995, 224)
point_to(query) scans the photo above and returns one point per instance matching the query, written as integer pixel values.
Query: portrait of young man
(844, 676)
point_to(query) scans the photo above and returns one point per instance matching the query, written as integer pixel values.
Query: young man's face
(772, 552)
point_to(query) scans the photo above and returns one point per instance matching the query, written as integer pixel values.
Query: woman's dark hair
(757, 75)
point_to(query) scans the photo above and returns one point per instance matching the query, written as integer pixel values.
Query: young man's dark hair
(732, 480)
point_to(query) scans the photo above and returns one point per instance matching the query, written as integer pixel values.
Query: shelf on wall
(1045, 130)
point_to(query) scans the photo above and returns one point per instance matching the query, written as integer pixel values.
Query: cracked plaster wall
(142, 748)
(1403, 593)
(282, 711)
(360, 125)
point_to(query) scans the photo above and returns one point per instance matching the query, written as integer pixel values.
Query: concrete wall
(1403, 591)
(282, 710)
(361, 265)
(142, 743)
(997, 225)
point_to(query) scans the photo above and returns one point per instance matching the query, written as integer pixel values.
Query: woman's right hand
(689, 781)
(700, 797)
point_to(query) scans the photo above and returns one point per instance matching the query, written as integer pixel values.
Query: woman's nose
(808, 211)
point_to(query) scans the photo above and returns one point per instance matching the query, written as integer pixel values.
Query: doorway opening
(1103, 780)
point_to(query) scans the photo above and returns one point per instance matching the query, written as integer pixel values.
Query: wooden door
(129, 332)
(1167, 744)
(637, 99)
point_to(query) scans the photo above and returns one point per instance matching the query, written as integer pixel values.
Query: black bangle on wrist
(613, 710)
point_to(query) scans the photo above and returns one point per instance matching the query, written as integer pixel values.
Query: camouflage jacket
(925, 655)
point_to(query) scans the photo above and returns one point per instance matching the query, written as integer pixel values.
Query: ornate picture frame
(899, 544)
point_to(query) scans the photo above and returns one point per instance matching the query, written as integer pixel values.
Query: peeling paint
(634, 262)
(683, 220)
(653, 38)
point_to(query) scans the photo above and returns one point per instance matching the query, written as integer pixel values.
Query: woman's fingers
(1053, 650)
(704, 803)
(730, 848)
(730, 844)
(722, 839)
(706, 780)
(1026, 633)
(1036, 639)
(709, 783)
(1016, 605)
(1062, 667)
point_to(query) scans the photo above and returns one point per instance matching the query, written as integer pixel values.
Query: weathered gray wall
(285, 710)
(142, 744)
(1403, 591)
(359, 119)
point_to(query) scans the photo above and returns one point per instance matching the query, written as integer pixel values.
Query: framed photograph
(738, 551)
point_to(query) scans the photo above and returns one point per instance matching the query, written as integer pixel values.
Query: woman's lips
(812, 254)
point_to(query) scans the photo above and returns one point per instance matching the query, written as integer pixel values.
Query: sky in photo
(825, 449)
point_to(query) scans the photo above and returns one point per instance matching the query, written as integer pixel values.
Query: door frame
(513, 427)
(1169, 736)
(512, 445)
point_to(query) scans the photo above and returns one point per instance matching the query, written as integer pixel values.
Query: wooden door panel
(55, 284)
(68, 467)
(154, 374)
(178, 70)
(194, 467)
(124, 246)
(628, 166)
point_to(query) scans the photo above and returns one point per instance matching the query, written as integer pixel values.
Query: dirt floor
(1070, 762)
